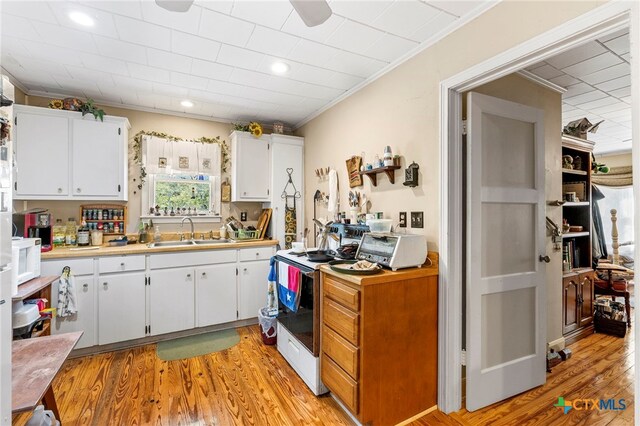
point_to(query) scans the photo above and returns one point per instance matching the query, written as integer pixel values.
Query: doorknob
(545, 259)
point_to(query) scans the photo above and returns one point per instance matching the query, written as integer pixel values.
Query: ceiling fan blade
(175, 5)
(312, 12)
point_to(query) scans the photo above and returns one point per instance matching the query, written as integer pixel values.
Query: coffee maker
(34, 223)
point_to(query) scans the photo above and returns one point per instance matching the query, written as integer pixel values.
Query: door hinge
(237, 314)
(149, 329)
(118, 130)
(15, 120)
(15, 185)
(149, 281)
(463, 357)
(268, 147)
(146, 329)
(267, 192)
(464, 127)
(236, 272)
(118, 188)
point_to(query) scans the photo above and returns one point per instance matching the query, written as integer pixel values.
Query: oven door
(305, 323)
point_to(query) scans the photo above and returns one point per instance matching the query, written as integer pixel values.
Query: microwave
(25, 261)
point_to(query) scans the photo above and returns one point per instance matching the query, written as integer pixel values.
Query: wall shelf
(373, 174)
(574, 172)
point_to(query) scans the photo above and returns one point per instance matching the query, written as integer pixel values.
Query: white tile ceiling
(217, 55)
(597, 78)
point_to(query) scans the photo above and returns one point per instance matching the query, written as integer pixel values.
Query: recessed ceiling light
(81, 19)
(186, 104)
(279, 67)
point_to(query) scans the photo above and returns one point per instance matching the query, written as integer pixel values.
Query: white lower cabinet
(252, 287)
(84, 318)
(121, 307)
(171, 300)
(216, 294)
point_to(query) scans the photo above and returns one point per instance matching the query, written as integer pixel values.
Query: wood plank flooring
(251, 384)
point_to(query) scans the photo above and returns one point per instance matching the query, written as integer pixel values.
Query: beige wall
(178, 126)
(615, 160)
(517, 89)
(401, 109)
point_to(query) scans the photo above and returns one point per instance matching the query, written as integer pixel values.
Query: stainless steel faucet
(193, 232)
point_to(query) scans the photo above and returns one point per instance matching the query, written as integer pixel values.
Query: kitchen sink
(186, 243)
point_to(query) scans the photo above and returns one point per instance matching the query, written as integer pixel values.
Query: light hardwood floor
(251, 384)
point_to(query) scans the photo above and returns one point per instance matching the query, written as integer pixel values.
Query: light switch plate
(402, 220)
(417, 219)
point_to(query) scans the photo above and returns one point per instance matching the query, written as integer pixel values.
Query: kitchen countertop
(387, 275)
(65, 253)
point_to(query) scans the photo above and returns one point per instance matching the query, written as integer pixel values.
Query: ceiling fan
(312, 12)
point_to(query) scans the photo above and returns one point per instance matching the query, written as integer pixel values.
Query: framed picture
(579, 188)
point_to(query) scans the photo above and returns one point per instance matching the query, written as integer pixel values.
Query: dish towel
(67, 295)
(333, 192)
(289, 286)
(290, 226)
(272, 298)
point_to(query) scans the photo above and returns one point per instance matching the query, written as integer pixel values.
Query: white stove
(300, 259)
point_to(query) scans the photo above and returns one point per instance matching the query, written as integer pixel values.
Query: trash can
(268, 328)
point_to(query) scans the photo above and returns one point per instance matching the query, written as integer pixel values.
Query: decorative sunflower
(255, 128)
(56, 104)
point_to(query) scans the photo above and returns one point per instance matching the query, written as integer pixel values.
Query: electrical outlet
(417, 219)
(243, 216)
(402, 220)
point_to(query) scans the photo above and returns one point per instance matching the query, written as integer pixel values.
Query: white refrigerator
(6, 333)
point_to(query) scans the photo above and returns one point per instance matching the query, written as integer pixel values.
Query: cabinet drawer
(82, 266)
(338, 382)
(192, 258)
(258, 253)
(341, 320)
(341, 293)
(340, 351)
(120, 264)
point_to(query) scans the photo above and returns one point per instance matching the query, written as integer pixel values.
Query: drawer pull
(86, 286)
(294, 346)
(122, 264)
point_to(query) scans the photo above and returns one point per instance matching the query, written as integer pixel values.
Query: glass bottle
(71, 233)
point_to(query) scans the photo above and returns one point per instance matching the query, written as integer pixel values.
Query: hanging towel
(290, 226)
(333, 192)
(289, 286)
(158, 154)
(272, 298)
(67, 295)
(209, 159)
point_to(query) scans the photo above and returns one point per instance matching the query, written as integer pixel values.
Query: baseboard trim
(417, 416)
(558, 344)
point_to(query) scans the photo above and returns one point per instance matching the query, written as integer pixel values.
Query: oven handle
(309, 274)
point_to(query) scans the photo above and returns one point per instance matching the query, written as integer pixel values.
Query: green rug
(200, 344)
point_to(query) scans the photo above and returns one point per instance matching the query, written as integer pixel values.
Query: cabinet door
(171, 300)
(216, 294)
(97, 159)
(586, 299)
(42, 156)
(252, 288)
(285, 156)
(570, 305)
(252, 169)
(85, 317)
(121, 307)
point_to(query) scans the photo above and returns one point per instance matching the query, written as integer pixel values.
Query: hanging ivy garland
(137, 149)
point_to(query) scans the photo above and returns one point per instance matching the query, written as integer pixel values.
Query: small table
(38, 288)
(35, 363)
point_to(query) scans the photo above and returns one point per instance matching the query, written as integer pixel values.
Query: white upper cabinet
(250, 167)
(61, 155)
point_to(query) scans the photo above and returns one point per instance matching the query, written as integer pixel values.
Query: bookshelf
(577, 272)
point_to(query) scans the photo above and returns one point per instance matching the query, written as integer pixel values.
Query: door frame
(609, 17)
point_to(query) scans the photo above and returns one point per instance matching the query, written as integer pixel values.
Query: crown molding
(542, 82)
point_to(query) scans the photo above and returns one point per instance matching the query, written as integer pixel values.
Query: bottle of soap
(157, 235)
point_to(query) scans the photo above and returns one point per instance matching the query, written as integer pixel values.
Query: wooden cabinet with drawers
(577, 304)
(379, 342)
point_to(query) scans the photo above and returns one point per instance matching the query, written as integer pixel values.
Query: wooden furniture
(379, 341)
(390, 171)
(65, 156)
(614, 286)
(577, 282)
(86, 209)
(38, 288)
(35, 363)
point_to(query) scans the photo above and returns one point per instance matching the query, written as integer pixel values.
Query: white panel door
(506, 316)
(121, 307)
(42, 155)
(252, 165)
(216, 294)
(252, 288)
(5, 347)
(286, 154)
(83, 320)
(96, 153)
(171, 300)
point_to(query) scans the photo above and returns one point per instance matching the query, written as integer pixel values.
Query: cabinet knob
(122, 264)
(105, 284)
(245, 269)
(188, 275)
(78, 190)
(257, 254)
(59, 190)
(244, 193)
(204, 274)
(86, 286)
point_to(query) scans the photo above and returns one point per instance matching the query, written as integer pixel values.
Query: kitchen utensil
(343, 266)
(320, 255)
